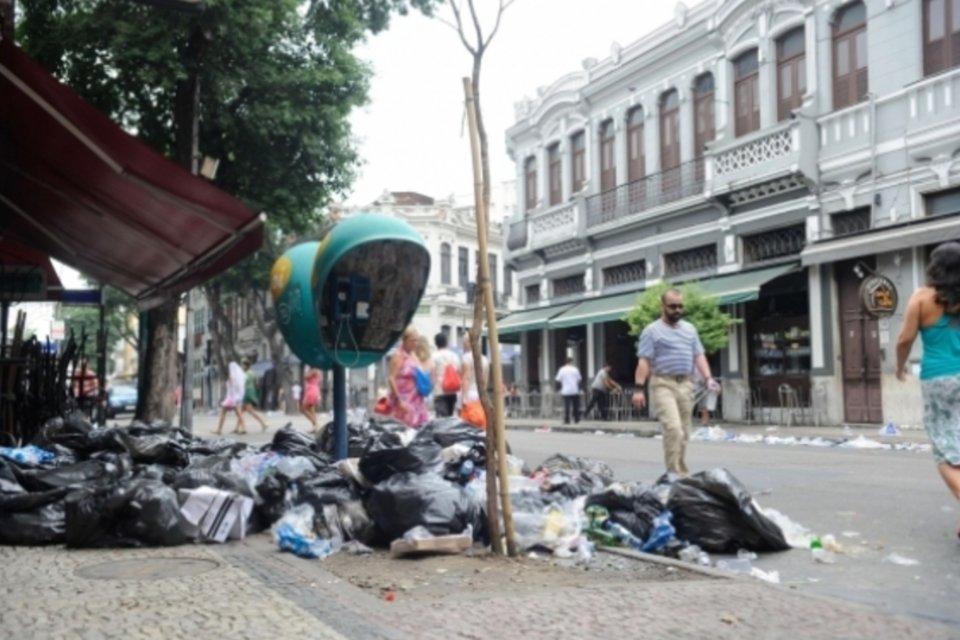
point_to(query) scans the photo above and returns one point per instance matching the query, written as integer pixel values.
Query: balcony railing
(648, 192)
(553, 225)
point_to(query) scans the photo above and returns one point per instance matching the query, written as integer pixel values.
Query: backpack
(424, 383)
(451, 379)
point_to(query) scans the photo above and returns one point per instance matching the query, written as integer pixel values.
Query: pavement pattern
(249, 590)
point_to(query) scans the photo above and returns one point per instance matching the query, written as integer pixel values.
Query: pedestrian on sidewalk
(446, 377)
(601, 388)
(406, 403)
(233, 398)
(251, 399)
(311, 396)
(569, 378)
(668, 350)
(933, 312)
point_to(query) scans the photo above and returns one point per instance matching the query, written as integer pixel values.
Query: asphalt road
(894, 501)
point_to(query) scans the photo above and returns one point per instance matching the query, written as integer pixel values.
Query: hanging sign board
(878, 296)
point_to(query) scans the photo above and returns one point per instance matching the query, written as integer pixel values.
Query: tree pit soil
(480, 574)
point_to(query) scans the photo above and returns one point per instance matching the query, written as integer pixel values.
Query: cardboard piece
(213, 514)
(451, 544)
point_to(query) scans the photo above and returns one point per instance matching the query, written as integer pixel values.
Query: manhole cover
(148, 569)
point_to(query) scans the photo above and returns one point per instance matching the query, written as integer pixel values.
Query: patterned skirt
(941, 417)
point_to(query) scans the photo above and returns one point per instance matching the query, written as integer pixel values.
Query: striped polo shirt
(670, 348)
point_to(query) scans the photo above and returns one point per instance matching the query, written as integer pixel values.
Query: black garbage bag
(71, 433)
(387, 455)
(713, 510)
(356, 523)
(358, 433)
(150, 445)
(32, 518)
(8, 480)
(452, 430)
(326, 486)
(272, 499)
(129, 514)
(631, 504)
(291, 442)
(91, 472)
(406, 500)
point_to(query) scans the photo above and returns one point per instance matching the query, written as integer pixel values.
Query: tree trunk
(159, 377)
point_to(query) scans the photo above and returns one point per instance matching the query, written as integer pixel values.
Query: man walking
(569, 378)
(669, 350)
(603, 384)
(446, 377)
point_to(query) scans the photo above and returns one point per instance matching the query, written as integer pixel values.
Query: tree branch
(463, 38)
(481, 45)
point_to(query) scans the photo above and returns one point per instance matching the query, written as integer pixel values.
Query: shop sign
(878, 295)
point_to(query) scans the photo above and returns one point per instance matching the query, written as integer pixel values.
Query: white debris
(896, 558)
(773, 577)
(711, 434)
(863, 443)
(796, 535)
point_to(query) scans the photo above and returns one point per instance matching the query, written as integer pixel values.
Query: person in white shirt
(446, 382)
(569, 378)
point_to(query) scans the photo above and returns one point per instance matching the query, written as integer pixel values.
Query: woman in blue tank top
(934, 313)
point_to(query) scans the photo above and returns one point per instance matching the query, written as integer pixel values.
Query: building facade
(780, 152)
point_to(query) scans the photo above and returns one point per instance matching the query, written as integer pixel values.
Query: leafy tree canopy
(699, 308)
(278, 80)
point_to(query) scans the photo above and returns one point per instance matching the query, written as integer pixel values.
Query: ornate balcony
(646, 193)
(787, 150)
(541, 229)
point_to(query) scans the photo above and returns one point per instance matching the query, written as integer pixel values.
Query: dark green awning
(529, 319)
(745, 285)
(596, 310)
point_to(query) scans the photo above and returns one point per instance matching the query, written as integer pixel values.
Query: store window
(773, 244)
(445, 258)
(608, 162)
(941, 35)
(635, 152)
(568, 286)
(463, 266)
(577, 161)
(532, 293)
(690, 261)
(669, 130)
(530, 183)
(703, 113)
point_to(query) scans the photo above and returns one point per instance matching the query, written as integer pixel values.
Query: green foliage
(699, 308)
(118, 309)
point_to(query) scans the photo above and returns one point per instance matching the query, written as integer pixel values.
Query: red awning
(80, 189)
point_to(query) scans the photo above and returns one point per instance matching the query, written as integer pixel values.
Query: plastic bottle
(736, 565)
(466, 471)
(623, 534)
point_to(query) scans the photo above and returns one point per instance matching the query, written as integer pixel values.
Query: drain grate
(147, 569)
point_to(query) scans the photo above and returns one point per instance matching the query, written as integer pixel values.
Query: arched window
(791, 72)
(850, 55)
(703, 113)
(635, 155)
(746, 90)
(669, 130)
(445, 257)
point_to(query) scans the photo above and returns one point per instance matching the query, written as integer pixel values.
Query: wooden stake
(495, 425)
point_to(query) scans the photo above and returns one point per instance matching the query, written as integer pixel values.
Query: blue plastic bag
(30, 454)
(661, 533)
(424, 382)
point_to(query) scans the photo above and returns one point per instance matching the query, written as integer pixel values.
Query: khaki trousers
(674, 404)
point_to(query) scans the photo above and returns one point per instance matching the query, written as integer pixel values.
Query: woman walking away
(406, 402)
(311, 397)
(934, 313)
(251, 399)
(233, 398)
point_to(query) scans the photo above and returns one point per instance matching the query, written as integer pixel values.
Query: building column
(651, 136)
(810, 53)
(546, 380)
(767, 76)
(722, 96)
(592, 148)
(543, 177)
(620, 158)
(591, 355)
(817, 330)
(685, 95)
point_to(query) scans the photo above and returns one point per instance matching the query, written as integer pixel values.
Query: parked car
(121, 398)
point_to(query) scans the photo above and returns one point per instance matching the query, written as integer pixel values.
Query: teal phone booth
(344, 300)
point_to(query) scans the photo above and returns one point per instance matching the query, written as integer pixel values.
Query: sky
(412, 135)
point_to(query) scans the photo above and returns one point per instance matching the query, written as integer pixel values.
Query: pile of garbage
(847, 441)
(157, 486)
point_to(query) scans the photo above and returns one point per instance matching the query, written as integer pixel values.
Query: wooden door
(860, 351)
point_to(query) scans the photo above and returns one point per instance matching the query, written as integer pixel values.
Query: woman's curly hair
(943, 274)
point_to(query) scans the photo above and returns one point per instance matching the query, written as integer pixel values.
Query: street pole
(340, 410)
(186, 383)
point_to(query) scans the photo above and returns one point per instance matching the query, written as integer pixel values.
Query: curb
(640, 433)
(672, 562)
